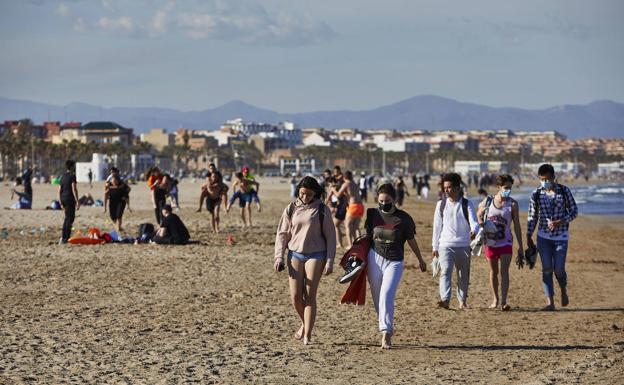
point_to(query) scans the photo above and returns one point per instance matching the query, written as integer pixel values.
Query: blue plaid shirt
(560, 206)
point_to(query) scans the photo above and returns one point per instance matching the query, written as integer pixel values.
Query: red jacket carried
(356, 292)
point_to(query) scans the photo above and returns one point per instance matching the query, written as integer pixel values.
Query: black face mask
(385, 207)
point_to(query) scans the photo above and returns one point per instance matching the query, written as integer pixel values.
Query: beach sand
(214, 313)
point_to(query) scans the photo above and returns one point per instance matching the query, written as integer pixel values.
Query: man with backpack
(454, 225)
(551, 209)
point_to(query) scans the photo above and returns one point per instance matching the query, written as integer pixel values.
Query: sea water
(603, 199)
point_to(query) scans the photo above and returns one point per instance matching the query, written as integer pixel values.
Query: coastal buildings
(159, 138)
(283, 143)
(95, 132)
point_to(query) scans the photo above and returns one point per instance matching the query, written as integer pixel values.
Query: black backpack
(464, 203)
(146, 232)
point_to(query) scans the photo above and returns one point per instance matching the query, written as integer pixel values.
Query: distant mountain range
(597, 119)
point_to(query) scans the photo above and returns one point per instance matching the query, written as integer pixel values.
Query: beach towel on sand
(356, 292)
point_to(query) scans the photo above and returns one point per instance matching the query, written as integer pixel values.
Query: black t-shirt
(175, 229)
(390, 232)
(117, 193)
(67, 180)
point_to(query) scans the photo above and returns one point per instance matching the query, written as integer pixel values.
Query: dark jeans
(70, 215)
(553, 257)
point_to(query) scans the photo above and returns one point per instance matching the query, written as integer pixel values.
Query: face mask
(505, 193)
(385, 207)
(547, 184)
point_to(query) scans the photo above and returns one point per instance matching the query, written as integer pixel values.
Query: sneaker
(352, 269)
(62, 241)
(443, 304)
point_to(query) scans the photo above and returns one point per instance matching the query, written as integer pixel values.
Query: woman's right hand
(434, 253)
(329, 267)
(277, 263)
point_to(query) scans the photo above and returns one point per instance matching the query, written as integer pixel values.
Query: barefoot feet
(299, 333)
(386, 340)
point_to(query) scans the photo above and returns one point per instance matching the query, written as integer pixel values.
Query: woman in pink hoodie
(306, 231)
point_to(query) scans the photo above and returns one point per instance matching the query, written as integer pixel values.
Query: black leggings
(158, 210)
(70, 215)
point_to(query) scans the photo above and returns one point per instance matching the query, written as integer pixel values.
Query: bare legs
(337, 223)
(505, 262)
(215, 219)
(352, 225)
(303, 282)
(246, 218)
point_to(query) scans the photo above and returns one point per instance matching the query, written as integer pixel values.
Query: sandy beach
(214, 313)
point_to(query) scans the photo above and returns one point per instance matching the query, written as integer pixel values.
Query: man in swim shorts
(355, 209)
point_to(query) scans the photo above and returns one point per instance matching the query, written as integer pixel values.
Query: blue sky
(308, 55)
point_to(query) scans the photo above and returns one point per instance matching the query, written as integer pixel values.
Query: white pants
(384, 276)
(460, 258)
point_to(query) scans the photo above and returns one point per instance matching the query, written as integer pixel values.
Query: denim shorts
(305, 257)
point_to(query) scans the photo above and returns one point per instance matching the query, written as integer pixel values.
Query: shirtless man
(338, 175)
(215, 192)
(244, 201)
(355, 210)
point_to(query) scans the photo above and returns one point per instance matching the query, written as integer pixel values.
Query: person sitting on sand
(551, 209)
(86, 200)
(501, 210)
(389, 227)
(312, 247)
(24, 200)
(117, 195)
(172, 230)
(214, 191)
(454, 225)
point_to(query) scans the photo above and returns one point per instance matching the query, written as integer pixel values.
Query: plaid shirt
(562, 206)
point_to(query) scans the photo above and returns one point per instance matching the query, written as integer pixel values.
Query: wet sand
(214, 313)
